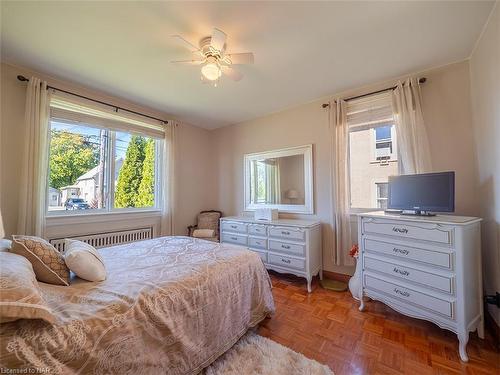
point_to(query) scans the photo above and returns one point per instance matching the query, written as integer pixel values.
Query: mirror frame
(308, 206)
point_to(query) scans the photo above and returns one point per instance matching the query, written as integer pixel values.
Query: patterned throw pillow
(20, 296)
(47, 262)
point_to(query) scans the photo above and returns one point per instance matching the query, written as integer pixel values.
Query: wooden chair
(207, 220)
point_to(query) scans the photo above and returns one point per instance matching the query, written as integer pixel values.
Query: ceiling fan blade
(241, 58)
(218, 39)
(186, 43)
(232, 73)
(187, 62)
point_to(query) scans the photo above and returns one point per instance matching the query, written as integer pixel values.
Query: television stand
(417, 213)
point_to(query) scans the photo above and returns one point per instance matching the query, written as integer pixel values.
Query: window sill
(100, 217)
(354, 212)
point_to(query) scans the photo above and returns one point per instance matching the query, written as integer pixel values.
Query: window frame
(267, 175)
(110, 152)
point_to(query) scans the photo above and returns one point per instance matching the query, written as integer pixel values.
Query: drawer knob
(401, 272)
(401, 251)
(234, 226)
(285, 246)
(257, 242)
(403, 293)
(288, 261)
(234, 238)
(400, 230)
(285, 233)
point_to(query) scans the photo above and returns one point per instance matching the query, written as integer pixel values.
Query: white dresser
(425, 267)
(285, 245)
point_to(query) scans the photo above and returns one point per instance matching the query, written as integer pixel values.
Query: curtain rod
(24, 79)
(325, 105)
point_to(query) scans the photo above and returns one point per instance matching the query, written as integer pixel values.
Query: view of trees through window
(80, 176)
(135, 183)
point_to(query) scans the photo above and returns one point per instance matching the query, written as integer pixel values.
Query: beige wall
(194, 159)
(448, 117)
(447, 111)
(485, 95)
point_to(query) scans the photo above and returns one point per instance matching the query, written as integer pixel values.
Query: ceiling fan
(211, 55)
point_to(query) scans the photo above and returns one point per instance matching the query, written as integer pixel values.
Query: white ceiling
(303, 50)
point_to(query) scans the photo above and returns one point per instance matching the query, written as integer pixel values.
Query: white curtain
(340, 180)
(32, 197)
(412, 136)
(168, 175)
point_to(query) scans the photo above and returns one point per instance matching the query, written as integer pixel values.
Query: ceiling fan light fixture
(212, 59)
(211, 70)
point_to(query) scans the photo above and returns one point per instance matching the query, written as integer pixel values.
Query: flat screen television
(422, 194)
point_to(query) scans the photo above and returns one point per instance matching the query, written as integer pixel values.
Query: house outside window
(384, 145)
(372, 151)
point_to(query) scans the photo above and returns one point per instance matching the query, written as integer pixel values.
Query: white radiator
(107, 239)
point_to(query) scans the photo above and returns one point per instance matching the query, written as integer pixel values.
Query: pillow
(5, 245)
(47, 262)
(84, 260)
(203, 233)
(20, 296)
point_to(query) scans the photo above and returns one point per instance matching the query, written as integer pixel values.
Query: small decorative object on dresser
(266, 214)
(425, 267)
(284, 245)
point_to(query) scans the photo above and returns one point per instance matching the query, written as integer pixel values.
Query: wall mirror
(280, 179)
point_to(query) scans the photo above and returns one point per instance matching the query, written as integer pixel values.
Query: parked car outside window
(76, 204)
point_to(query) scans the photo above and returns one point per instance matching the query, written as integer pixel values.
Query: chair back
(209, 220)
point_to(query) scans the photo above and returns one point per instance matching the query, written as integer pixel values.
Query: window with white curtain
(372, 150)
(102, 160)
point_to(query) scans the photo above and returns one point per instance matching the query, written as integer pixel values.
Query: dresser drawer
(258, 230)
(234, 238)
(423, 232)
(257, 242)
(262, 254)
(441, 283)
(290, 233)
(431, 257)
(288, 248)
(409, 295)
(284, 261)
(229, 226)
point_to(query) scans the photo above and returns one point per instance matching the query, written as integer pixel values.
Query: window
(265, 181)
(382, 190)
(93, 168)
(372, 151)
(383, 142)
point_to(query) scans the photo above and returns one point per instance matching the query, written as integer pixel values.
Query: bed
(169, 305)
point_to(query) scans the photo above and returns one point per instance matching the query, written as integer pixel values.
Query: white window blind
(78, 110)
(369, 111)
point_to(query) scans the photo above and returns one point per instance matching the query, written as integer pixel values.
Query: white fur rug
(257, 355)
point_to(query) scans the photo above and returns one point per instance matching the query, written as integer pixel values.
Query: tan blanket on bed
(170, 305)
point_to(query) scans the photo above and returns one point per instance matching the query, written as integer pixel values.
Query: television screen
(423, 192)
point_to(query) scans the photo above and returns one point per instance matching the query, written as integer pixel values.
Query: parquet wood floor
(327, 326)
